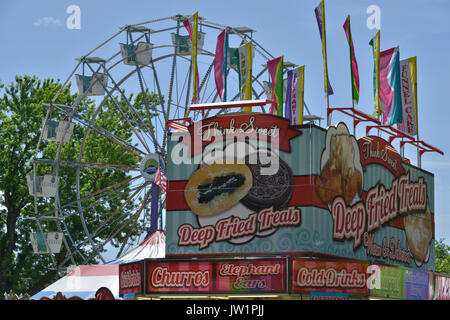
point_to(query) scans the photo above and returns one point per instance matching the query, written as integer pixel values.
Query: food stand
(259, 208)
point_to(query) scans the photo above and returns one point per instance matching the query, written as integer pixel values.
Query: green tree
(442, 256)
(21, 115)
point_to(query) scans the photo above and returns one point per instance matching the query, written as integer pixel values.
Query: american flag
(161, 178)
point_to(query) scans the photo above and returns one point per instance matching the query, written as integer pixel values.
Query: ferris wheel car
(183, 43)
(92, 85)
(60, 131)
(42, 186)
(140, 54)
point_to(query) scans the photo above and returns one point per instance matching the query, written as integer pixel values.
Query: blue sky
(36, 41)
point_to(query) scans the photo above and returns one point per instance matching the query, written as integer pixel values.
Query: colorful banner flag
(320, 16)
(375, 43)
(245, 72)
(294, 95)
(275, 67)
(408, 100)
(354, 65)
(220, 64)
(413, 74)
(390, 88)
(191, 25)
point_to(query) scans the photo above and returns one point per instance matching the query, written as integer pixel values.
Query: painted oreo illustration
(268, 189)
(216, 187)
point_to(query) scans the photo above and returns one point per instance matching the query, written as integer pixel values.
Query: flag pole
(320, 16)
(328, 113)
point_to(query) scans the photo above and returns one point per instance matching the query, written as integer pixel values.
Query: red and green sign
(310, 275)
(217, 276)
(253, 276)
(131, 278)
(181, 276)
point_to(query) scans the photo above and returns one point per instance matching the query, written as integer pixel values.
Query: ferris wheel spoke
(114, 232)
(172, 76)
(147, 107)
(91, 236)
(135, 219)
(158, 147)
(116, 211)
(91, 125)
(96, 193)
(186, 108)
(130, 125)
(213, 100)
(206, 78)
(161, 98)
(84, 222)
(136, 117)
(111, 196)
(116, 104)
(76, 164)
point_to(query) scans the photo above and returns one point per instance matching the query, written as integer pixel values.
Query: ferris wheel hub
(149, 166)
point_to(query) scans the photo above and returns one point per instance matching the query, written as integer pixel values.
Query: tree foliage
(21, 115)
(442, 256)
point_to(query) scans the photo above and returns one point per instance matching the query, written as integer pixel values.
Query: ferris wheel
(153, 61)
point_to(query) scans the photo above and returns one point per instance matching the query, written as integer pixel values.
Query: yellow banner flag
(375, 43)
(245, 72)
(320, 17)
(194, 58)
(301, 90)
(413, 73)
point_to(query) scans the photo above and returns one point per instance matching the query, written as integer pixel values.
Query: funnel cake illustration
(216, 187)
(341, 171)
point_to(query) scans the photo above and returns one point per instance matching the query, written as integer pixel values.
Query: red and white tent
(84, 281)
(152, 247)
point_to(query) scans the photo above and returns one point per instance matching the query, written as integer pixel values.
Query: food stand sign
(329, 276)
(217, 276)
(392, 283)
(328, 296)
(251, 276)
(442, 288)
(179, 277)
(250, 183)
(131, 276)
(416, 284)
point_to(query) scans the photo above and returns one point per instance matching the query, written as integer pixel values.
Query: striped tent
(153, 246)
(85, 280)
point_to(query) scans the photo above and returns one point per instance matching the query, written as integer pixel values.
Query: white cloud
(45, 21)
